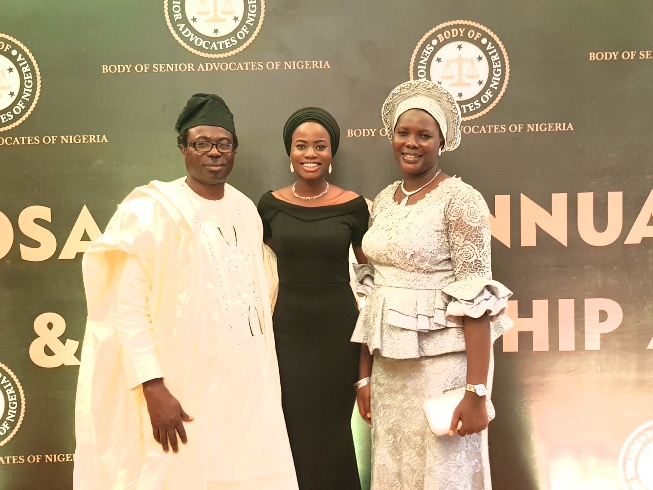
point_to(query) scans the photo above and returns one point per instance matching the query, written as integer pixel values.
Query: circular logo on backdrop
(20, 82)
(636, 459)
(467, 59)
(12, 404)
(214, 28)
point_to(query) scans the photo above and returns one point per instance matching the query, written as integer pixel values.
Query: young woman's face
(310, 152)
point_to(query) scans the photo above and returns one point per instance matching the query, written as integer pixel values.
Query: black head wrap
(312, 114)
(205, 110)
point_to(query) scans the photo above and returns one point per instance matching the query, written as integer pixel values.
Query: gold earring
(292, 169)
(330, 168)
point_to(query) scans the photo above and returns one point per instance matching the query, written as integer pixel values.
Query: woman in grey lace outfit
(434, 311)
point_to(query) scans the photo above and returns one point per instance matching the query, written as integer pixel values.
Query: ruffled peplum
(364, 279)
(404, 323)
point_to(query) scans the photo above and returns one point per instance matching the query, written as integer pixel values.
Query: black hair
(182, 138)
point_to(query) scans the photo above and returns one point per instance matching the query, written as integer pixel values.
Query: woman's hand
(364, 393)
(363, 397)
(470, 416)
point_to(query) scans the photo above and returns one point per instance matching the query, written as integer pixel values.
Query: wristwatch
(479, 389)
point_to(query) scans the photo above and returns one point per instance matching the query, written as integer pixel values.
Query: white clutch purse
(439, 410)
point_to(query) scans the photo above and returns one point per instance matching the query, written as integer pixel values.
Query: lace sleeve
(469, 235)
(381, 200)
(374, 209)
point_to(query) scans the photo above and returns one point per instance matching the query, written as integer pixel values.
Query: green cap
(205, 110)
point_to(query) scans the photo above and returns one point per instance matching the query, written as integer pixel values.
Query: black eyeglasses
(207, 146)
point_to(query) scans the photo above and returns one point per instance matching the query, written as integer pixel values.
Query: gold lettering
(6, 235)
(85, 224)
(532, 216)
(641, 228)
(48, 242)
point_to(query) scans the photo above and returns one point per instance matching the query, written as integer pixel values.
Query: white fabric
(440, 96)
(364, 279)
(431, 265)
(492, 299)
(134, 325)
(439, 410)
(427, 104)
(425, 256)
(171, 319)
(405, 453)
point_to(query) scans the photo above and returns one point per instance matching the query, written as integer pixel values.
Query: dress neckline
(314, 207)
(314, 213)
(444, 184)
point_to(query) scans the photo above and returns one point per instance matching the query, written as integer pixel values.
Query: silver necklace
(404, 201)
(309, 198)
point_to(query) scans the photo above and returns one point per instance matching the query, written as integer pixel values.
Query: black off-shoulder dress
(313, 321)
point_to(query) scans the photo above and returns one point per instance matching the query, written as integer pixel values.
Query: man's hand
(470, 416)
(166, 414)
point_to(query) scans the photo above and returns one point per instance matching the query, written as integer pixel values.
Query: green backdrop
(561, 151)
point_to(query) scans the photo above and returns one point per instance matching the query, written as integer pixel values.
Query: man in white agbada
(179, 344)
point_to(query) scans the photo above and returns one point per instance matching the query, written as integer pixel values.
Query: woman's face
(310, 152)
(416, 141)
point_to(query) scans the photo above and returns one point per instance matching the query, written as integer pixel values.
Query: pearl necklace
(404, 201)
(309, 198)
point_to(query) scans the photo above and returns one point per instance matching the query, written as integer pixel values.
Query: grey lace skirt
(405, 453)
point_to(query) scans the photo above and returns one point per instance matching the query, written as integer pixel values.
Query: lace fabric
(432, 266)
(407, 456)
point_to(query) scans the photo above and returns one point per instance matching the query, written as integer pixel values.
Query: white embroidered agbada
(206, 329)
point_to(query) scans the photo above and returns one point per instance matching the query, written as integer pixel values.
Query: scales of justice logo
(214, 28)
(20, 82)
(636, 459)
(12, 404)
(467, 59)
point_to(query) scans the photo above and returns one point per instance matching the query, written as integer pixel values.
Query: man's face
(212, 167)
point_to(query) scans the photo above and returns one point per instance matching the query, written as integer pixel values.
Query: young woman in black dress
(310, 225)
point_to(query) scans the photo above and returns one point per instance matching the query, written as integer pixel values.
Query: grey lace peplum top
(431, 267)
